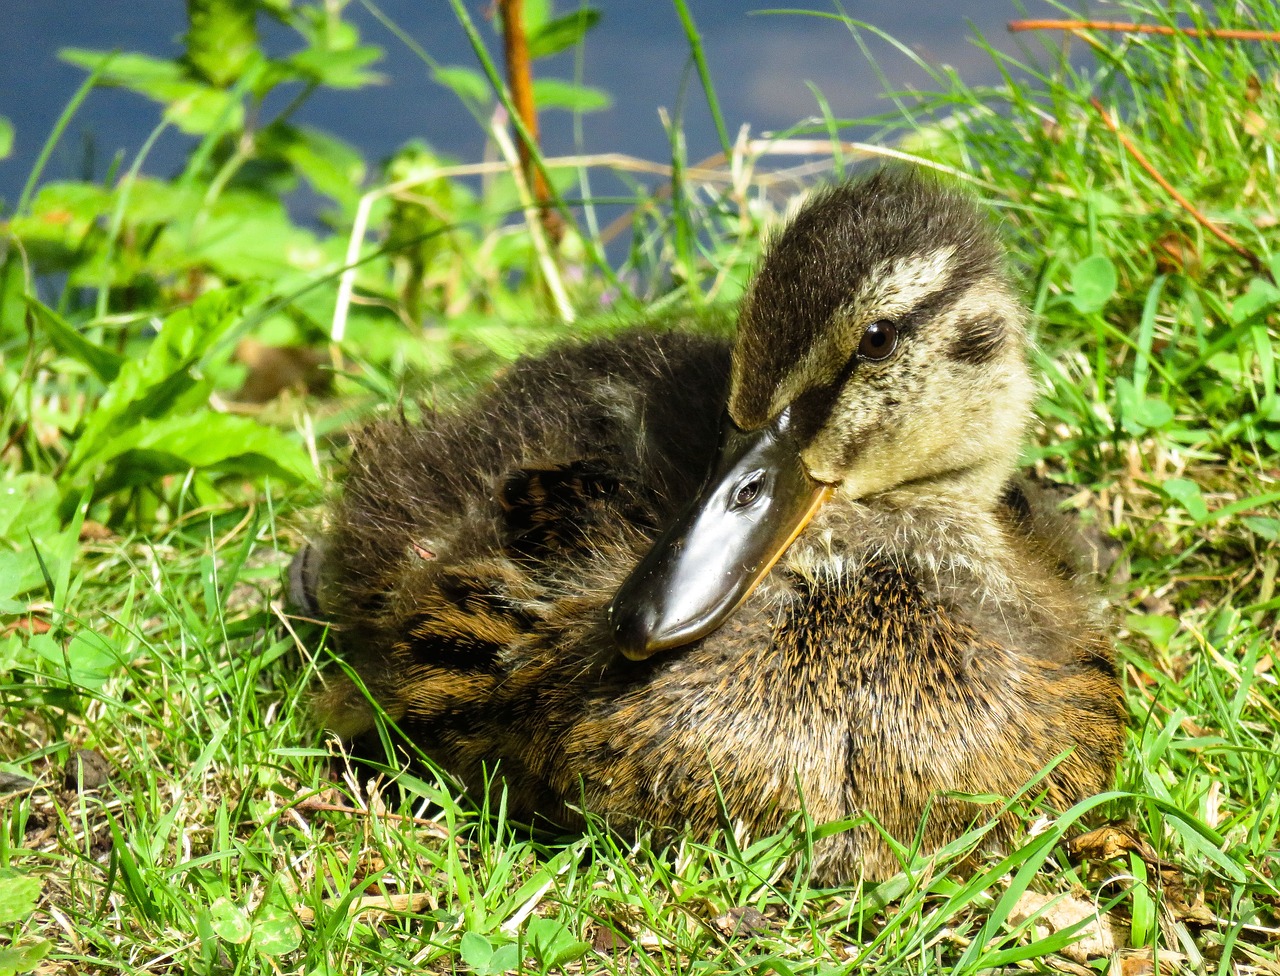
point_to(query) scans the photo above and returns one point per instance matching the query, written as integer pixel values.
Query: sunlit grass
(225, 835)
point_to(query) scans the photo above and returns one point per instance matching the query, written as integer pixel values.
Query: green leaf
(475, 951)
(194, 106)
(505, 958)
(206, 109)
(552, 93)
(87, 661)
(467, 84)
(222, 38)
(6, 138)
(1187, 494)
(159, 381)
(275, 931)
(1093, 282)
(561, 33)
(246, 246)
(552, 943)
(1263, 525)
(28, 518)
(230, 922)
(23, 959)
(28, 507)
(18, 897)
(338, 68)
(1157, 628)
(104, 363)
(1261, 296)
(331, 166)
(204, 441)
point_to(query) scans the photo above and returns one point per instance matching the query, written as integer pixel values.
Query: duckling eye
(879, 341)
(748, 490)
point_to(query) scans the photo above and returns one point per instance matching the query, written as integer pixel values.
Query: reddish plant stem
(515, 42)
(1214, 33)
(1182, 201)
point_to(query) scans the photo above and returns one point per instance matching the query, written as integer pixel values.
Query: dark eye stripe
(978, 340)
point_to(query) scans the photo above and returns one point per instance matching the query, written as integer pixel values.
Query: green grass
(146, 527)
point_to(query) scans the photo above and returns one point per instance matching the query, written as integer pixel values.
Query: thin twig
(1182, 201)
(515, 45)
(1214, 33)
(314, 805)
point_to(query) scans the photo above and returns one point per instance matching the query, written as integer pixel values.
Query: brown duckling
(852, 614)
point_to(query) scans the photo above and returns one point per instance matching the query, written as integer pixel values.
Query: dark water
(762, 64)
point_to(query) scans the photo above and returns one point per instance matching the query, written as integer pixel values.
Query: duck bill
(757, 500)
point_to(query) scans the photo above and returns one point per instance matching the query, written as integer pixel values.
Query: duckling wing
(455, 538)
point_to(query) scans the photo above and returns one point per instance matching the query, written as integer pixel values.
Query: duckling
(853, 613)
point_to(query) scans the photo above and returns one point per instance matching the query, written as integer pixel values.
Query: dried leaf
(1145, 962)
(1101, 937)
(91, 531)
(741, 921)
(1254, 124)
(1252, 89)
(608, 941)
(377, 906)
(1175, 253)
(274, 369)
(1109, 842)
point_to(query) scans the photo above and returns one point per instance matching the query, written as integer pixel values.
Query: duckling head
(880, 352)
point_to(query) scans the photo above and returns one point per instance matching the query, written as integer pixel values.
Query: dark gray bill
(757, 500)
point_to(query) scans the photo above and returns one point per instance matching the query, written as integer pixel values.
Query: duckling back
(456, 535)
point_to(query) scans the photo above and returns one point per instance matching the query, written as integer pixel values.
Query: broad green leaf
(157, 78)
(104, 363)
(505, 958)
(552, 93)
(339, 68)
(23, 958)
(206, 109)
(6, 137)
(1187, 494)
(63, 212)
(18, 897)
(263, 246)
(536, 14)
(193, 105)
(28, 518)
(331, 166)
(1093, 282)
(467, 84)
(155, 384)
(217, 442)
(28, 507)
(222, 37)
(1156, 628)
(1260, 296)
(553, 943)
(230, 922)
(1263, 525)
(275, 931)
(87, 661)
(562, 32)
(475, 951)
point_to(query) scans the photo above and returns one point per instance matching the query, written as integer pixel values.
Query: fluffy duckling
(854, 613)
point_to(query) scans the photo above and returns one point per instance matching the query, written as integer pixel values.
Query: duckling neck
(972, 491)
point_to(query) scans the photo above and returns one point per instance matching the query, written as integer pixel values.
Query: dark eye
(879, 341)
(748, 491)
